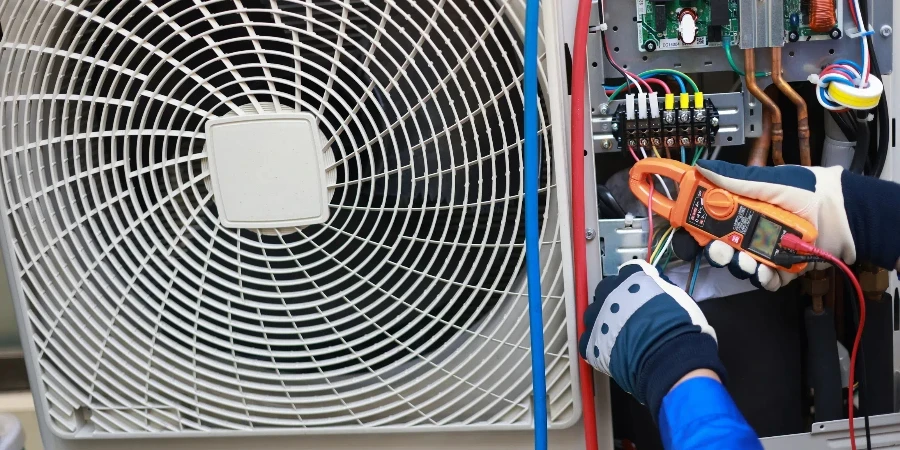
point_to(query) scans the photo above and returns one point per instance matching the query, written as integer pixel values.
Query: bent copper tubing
(796, 99)
(768, 103)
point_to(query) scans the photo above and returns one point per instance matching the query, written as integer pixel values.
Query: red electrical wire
(650, 221)
(660, 83)
(655, 81)
(793, 242)
(579, 243)
(633, 154)
(614, 63)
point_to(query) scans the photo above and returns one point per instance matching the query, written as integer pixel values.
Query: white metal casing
(20, 33)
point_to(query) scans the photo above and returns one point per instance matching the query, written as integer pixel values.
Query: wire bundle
(650, 77)
(846, 85)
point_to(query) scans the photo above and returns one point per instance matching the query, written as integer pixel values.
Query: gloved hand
(646, 334)
(850, 212)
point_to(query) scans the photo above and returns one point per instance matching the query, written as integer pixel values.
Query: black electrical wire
(604, 47)
(846, 124)
(863, 138)
(884, 131)
(881, 146)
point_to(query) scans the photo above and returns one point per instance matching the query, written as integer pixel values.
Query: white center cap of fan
(267, 171)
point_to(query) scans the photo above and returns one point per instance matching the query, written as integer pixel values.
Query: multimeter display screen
(765, 238)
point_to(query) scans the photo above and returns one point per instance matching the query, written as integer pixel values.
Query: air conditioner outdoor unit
(227, 223)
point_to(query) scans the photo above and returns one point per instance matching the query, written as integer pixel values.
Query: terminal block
(691, 121)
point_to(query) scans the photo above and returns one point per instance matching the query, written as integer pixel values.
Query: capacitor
(795, 20)
(687, 26)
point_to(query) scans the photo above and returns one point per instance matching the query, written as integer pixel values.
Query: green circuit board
(804, 32)
(652, 39)
(669, 39)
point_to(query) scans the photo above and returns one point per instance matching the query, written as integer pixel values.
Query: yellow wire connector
(685, 101)
(670, 101)
(698, 100)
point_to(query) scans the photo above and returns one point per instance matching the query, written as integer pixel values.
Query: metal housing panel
(801, 58)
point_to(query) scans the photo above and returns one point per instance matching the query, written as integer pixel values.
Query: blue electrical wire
(653, 73)
(532, 231)
(683, 155)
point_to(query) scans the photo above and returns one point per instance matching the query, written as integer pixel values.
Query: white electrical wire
(661, 181)
(844, 84)
(662, 250)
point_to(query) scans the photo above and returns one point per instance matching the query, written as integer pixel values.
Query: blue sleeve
(699, 414)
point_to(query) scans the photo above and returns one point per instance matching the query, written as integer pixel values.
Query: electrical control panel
(684, 24)
(820, 82)
(679, 24)
(806, 20)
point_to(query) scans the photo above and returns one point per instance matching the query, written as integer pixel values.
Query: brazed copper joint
(759, 153)
(797, 100)
(768, 103)
(816, 284)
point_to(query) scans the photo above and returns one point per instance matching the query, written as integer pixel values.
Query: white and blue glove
(856, 216)
(646, 334)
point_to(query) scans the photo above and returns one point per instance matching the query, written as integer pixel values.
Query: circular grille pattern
(148, 315)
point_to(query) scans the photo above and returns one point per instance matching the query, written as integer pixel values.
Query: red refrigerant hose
(579, 243)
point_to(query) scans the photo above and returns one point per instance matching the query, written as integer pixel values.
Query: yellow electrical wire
(660, 244)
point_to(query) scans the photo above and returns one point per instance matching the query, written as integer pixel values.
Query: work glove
(646, 334)
(856, 216)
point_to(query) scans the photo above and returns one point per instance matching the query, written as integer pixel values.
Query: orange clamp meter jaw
(711, 213)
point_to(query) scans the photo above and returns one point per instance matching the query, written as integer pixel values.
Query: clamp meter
(710, 213)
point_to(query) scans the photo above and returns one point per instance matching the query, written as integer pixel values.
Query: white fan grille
(405, 310)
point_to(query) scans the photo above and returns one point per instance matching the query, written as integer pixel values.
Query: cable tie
(854, 33)
(814, 79)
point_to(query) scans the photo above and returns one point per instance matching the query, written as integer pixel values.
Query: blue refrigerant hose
(532, 231)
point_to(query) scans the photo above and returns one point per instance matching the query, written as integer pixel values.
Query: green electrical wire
(726, 44)
(657, 72)
(697, 152)
(665, 263)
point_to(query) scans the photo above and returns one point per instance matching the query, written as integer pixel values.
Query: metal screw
(643, 142)
(655, 141)
(590, 234)
(604, 108)
(684, 116)
(669, 117)
(685, 141)
(670, 142)
(615, 127)
(886, 30)
(700, 140)
(714, 121)
(699, 115)
(607, 145)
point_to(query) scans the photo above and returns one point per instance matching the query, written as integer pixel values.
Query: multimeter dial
(720, 204)
(718, 213)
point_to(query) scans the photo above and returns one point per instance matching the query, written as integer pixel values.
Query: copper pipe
(759, 153)
(768, 103)
(797, 100)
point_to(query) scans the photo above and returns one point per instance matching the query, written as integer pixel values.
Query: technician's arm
(698, 413)
(653, 340)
